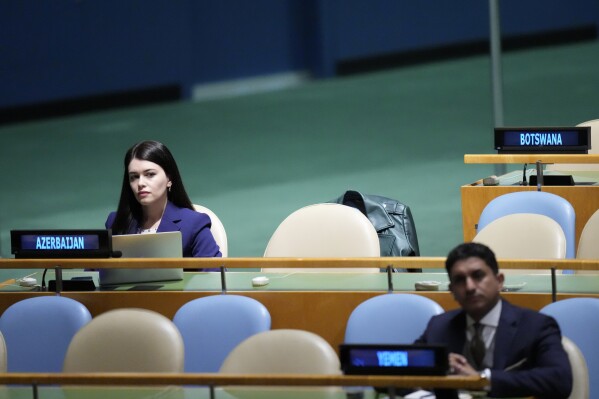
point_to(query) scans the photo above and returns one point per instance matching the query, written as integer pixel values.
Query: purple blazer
(198, 241)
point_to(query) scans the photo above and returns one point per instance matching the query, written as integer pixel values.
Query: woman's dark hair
(129, 208)
(469, 250)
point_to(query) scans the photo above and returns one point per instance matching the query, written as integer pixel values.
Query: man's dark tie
(477, 346)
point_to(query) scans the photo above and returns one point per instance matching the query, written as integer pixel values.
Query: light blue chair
(539, 202)
(578, 319)
(39, 330)
(390, 318)
(212, 326)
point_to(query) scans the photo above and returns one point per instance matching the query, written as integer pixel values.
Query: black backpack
(391, 219)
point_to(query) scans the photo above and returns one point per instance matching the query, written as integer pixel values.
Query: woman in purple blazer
(153, 200)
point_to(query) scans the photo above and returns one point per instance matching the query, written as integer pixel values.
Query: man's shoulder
(525, 314)
(510, 307)
(448, 316)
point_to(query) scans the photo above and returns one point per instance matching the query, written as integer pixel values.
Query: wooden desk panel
(217, 379)
(584, 199)
(321, 308)
(530, 158)
(322, 312)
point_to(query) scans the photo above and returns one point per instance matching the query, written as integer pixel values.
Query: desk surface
(320, 281)
(530, 158)
(424, 262)
(218, 379)
(151, 385)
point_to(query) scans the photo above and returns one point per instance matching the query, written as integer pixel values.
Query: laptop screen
(157, 245)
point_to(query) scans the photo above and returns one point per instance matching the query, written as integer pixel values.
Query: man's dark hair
(469, 250)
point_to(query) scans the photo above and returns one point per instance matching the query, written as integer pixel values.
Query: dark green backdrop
(255, 159)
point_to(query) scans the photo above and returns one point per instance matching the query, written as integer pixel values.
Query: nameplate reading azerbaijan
(543, 139)
(61, 243)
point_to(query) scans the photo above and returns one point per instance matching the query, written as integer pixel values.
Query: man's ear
(501, 279)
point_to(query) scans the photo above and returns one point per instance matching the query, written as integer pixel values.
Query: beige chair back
(524, 236)
(283, 351)
(324, 230)
(580, 372)
(126, 340)
(588, 244)
(594, 124)
(217, 229)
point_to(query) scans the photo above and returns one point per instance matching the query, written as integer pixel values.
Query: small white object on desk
(27, 282)
(260, 281)
(513, 287)
(491, 181)
(427, 285)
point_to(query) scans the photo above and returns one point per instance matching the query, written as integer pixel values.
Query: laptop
(157, 245)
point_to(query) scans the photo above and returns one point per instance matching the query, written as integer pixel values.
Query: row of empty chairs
(333, 230)
(524, 225)
(533, 202)
(50, 334)
(240, 340)
(536, 225)
(39, 330)
(535, 236)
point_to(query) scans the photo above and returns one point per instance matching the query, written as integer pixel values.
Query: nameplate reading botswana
(565, 140)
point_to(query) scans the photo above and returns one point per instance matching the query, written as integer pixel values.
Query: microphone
(539, 175)
(524, 182)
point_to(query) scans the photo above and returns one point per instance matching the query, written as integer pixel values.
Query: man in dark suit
(517, 349)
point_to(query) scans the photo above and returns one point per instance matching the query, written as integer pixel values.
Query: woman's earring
(169, 189)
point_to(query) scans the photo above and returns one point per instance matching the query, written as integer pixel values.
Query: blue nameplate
(545, 140)
(393, 359)
(61, 243)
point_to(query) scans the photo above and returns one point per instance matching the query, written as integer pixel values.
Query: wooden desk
(323, 310)
(475, 196)
(530, 158)
(218, 379)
